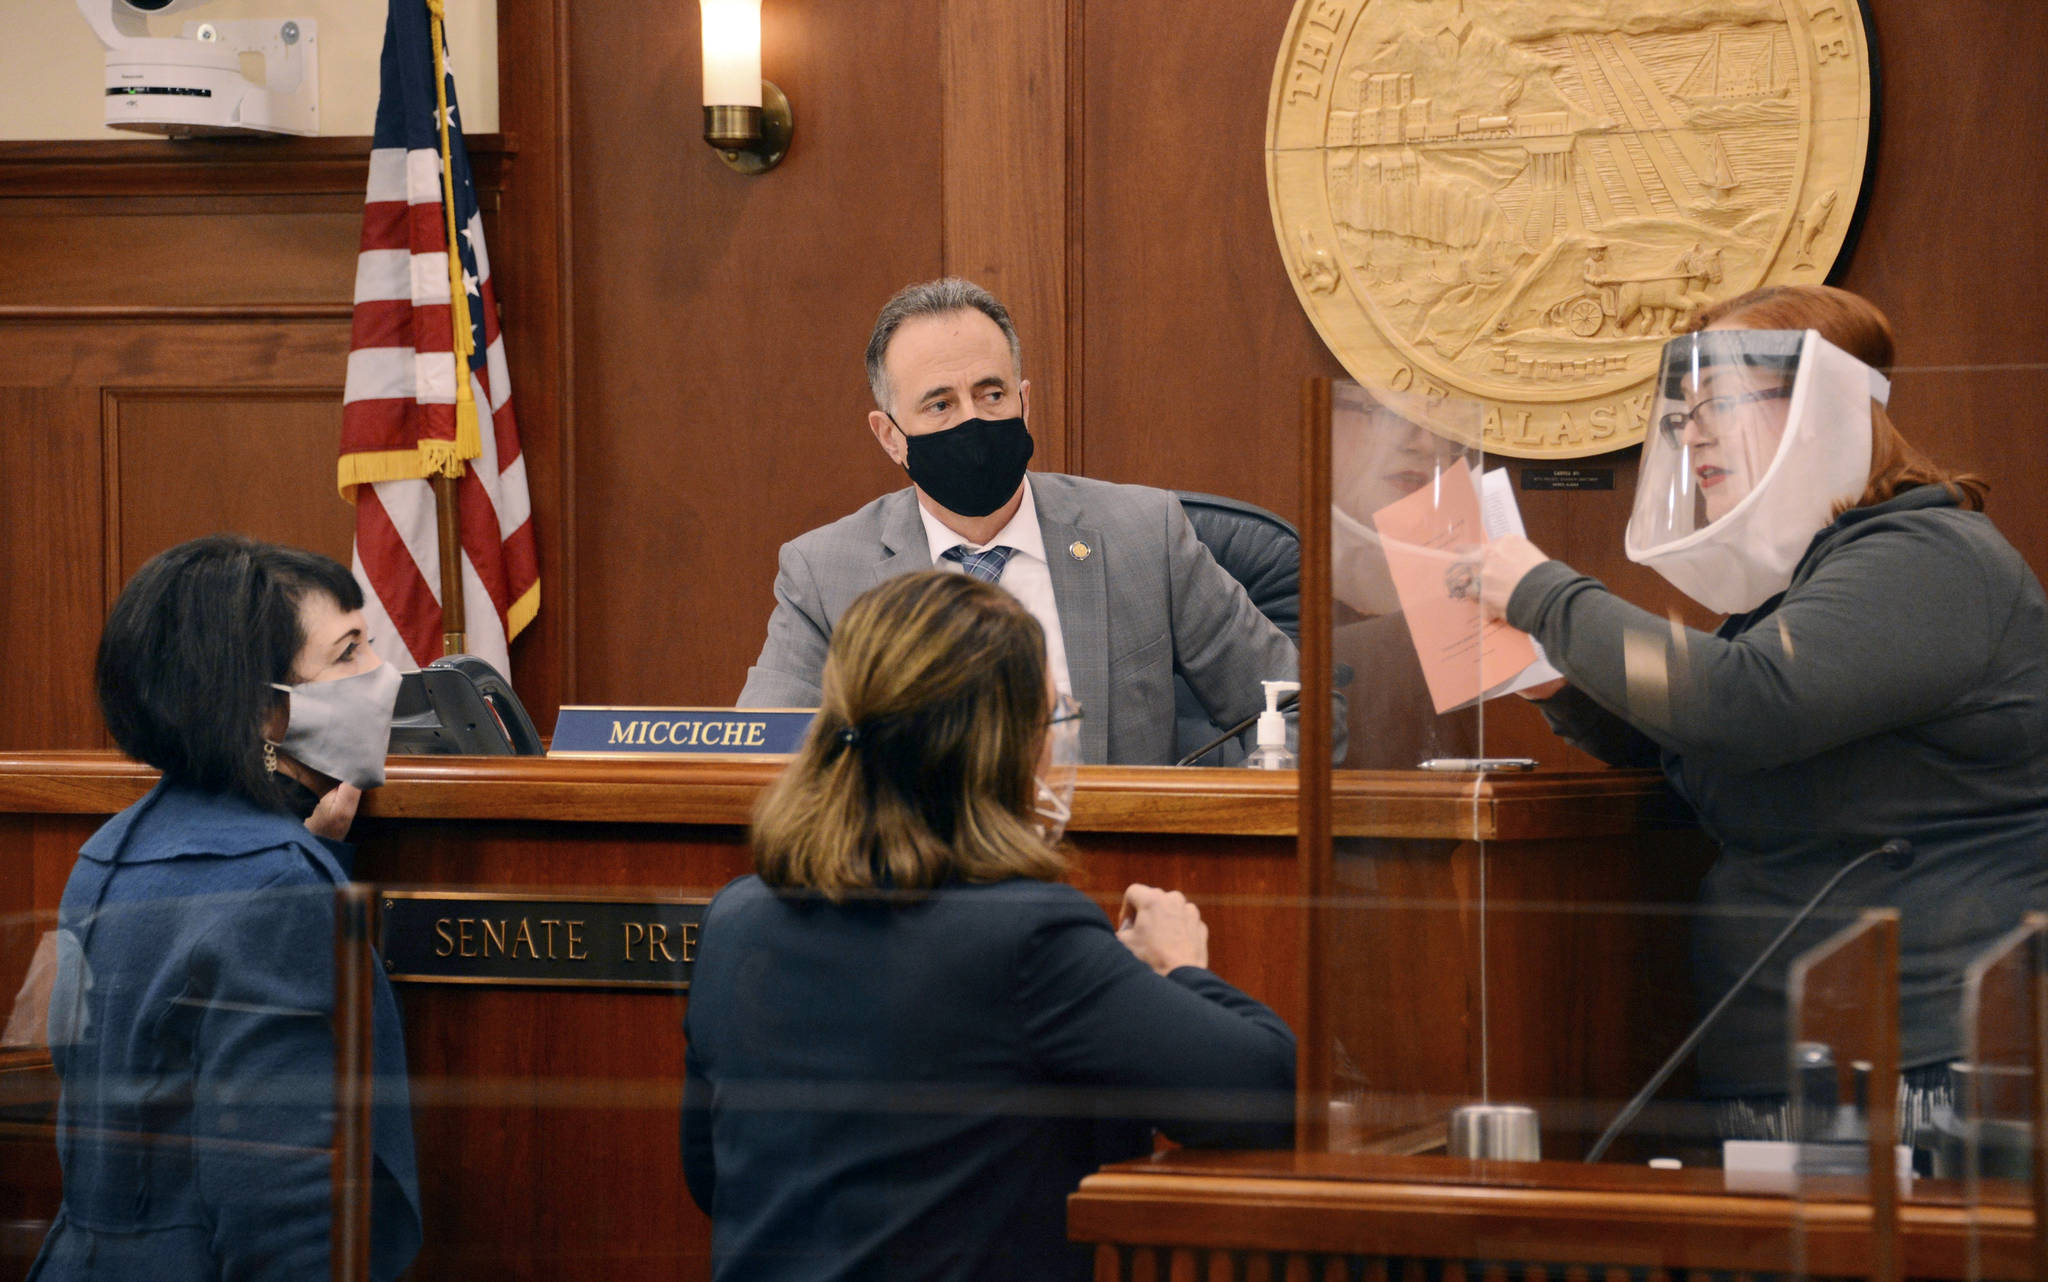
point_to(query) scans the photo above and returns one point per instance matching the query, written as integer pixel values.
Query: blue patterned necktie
(986, 565)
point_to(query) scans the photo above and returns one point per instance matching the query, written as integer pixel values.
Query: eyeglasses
(1716, 412)
(1064, 709)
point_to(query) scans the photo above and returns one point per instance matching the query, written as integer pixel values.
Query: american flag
(405, 414)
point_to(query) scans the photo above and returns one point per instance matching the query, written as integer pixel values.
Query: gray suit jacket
(1146, 601)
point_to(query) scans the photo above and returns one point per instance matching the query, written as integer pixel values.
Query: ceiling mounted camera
(255, 76)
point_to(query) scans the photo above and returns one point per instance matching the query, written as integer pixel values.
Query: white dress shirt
(1026, 575)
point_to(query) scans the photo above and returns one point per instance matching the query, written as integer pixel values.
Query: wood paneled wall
(171, 361)
(685, 342)
(174, 326)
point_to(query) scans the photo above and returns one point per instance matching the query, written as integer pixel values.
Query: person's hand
(1507, 560)
(1163, 929)
(336, 811)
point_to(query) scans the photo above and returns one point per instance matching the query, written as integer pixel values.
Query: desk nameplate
(546, 941)
(742, 734)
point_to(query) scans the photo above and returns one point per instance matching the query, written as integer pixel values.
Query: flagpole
(447, 510)
(454, 629)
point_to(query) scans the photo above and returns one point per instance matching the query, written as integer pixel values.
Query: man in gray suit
(1126, 593)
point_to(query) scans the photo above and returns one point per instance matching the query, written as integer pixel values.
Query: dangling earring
(269, 757)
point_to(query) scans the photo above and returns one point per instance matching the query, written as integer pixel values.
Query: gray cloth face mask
(343, 728)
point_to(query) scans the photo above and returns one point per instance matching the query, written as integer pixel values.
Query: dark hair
(1854, 324)
(918, 769)
(940, 297)
(191, 648)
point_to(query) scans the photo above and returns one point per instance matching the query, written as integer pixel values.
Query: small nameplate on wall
(535, 940)
(1567, 478)
(679, 732)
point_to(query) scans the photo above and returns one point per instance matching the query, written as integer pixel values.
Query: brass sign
(470, 937)
(1518, 201)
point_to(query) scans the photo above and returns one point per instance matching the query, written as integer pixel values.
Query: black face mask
(972, 467)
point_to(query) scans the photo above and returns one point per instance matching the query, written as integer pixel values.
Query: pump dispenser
(1272, 752)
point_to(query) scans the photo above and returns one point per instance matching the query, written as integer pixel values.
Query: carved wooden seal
(1517, 203)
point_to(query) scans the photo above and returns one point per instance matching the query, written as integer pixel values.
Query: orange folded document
(1434, 540)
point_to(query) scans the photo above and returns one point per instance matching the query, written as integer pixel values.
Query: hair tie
(850, 736)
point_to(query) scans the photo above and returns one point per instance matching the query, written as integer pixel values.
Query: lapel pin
(1078, 550)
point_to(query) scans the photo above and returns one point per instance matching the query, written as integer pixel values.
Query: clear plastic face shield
(1755, 437)
(1058, 763)
(1384, 446)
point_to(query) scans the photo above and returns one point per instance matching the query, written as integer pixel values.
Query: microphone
(1288, 700)
(1897, 855)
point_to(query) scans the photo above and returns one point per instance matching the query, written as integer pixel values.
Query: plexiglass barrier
(1838, 1121)
(1410, 498)
(1991, 1135)
(1564, 1008)
(178, 1082)
(28, 1088)
(287, 1105)
(353, 1229)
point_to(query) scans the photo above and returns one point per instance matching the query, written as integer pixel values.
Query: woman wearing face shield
(190, 1016)
(1882, 674)
(907, 1040)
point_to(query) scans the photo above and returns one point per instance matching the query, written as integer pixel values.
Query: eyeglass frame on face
(1673, 424)
(1065, 708)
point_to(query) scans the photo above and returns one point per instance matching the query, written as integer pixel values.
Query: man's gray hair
(933, 298)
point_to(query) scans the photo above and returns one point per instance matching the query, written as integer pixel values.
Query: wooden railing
(1405, 1219)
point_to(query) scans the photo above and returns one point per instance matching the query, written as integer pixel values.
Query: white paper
(1498, 511)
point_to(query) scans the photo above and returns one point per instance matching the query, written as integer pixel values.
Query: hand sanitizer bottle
(1272, 752)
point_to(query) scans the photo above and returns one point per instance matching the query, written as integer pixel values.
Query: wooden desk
(547, 1118)
(1324, 1215)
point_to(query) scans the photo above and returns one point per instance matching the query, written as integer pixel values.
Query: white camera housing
(196, 83)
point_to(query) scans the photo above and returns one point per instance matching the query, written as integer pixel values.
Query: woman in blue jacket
(190, 1018)
(907, 1041)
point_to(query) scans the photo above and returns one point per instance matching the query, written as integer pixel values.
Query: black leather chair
(1263, 553)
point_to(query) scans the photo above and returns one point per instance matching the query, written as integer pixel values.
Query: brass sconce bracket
(752, 140)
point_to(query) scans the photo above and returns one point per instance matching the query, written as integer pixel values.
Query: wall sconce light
(746, 118)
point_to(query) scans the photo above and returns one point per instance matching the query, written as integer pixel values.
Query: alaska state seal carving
(1518, 201)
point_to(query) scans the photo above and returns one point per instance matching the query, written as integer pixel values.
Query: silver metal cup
(1499, 1132)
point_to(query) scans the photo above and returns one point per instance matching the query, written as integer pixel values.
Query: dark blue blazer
(190, 1029)
(910, 1090)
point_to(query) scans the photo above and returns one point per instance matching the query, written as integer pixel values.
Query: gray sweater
(1897, 688)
